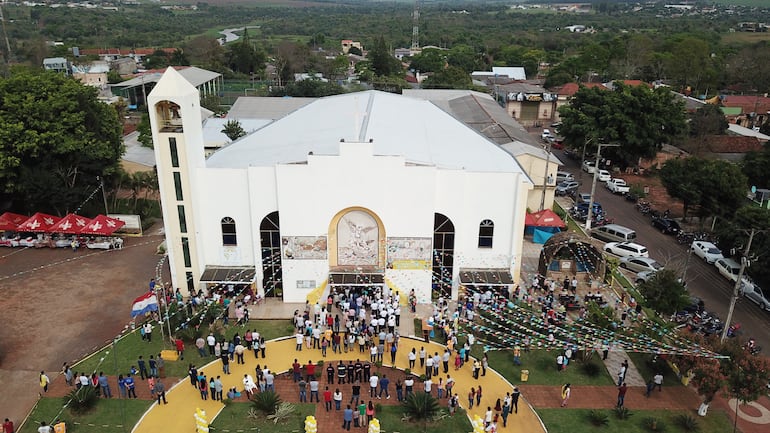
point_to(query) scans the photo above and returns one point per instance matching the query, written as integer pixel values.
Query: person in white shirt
(428, 385)
(300, 339)
(248, 385)
(373, 381)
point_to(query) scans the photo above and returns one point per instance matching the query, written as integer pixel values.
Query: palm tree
(233, 130)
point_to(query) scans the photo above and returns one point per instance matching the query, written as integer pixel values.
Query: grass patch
(436, 333)
(107, 412)
(542, 369)
(643, 363)
(390, 420)
(575, 421)
(128, 349)
(233, 418)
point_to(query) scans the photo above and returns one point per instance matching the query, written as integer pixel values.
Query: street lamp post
(593, 183)
(545, 174)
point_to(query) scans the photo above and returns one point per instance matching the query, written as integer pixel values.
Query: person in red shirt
(8, 426)
(296, 370)
(179, 348)
(328, 399)
(310, 371)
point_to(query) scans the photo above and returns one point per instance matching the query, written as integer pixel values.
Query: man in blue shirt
(130, 386)
(104, 385)
(347, 417)
(384, 382)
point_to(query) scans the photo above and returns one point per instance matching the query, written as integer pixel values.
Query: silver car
(640, 264)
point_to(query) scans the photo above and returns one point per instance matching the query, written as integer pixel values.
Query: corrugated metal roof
(417, 130)
(255, 107)
(195, 76)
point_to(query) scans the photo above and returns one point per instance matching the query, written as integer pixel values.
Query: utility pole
(593, 184)
(545, 174)
(737, 287)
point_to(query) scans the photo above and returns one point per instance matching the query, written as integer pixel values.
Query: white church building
(357, 189)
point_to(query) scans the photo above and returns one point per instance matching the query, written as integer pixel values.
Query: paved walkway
(183, 399)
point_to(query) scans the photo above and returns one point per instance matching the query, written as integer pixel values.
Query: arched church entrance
(443, 256)
(270, 239)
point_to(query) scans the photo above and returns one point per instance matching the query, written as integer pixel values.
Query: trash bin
(524, 375)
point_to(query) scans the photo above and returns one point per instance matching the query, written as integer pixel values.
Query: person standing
(369, 412)
(142, 367)
(650, 387)
(211, 341)
(148, 331)
(445, 360)
(44, 382)
(153, 366)
(658, 379)
(515, 399)
(384, 382)
(565, 394)
(506, 409)
(44, 428)
(471, 397)
(314, 390)
(328, 399)
(478, 396)
(8, 426)
(362, 412)
(219, 388)
(104, 384)
(412, 356)
(621, 374)
(337, 397)
(67, 372)
(130, 385)
(347, 418)
(161, 366)
(373, 382)
(484, 364)
(622, 389)
(160, 392)
(302, 390)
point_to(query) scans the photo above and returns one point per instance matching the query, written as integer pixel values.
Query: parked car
(757, 296)
(666, 225)
(546, 134)
(567, 187)
(583, 197)
(640, 264)
(589, 167)
(617, 186)
(643, 276)
(561, 176)
(626, 249)
(730, 269)
(707, 251)
(583, 208)
(604, 175)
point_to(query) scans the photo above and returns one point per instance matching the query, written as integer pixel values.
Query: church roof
(417, 130)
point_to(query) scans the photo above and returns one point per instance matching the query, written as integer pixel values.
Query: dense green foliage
(713, 187)
(233, 129)
(638, 118)
(664, 293)
(56, 139)
(420, 406)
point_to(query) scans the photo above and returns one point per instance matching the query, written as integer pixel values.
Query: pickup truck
(617, 186)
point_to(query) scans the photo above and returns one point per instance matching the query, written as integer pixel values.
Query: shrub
(423, 377)
(407, 371)
(82, 400)
(653, 424)
(687, 422)
(622, 413)
(598, 418)
(320, 363)
(420, 406)
(591, 369)
(282, 412)
(266, 402)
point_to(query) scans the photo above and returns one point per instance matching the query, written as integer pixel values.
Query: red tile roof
(748, 104)
(732, 144)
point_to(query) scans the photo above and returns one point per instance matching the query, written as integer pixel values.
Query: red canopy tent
(102, 225)
(10, 220)
(70, 224)
(529, 219)
(546, 218)
(38, 222)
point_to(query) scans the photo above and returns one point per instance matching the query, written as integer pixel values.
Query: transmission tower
(416, 27)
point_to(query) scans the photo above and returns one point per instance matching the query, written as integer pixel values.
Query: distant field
(757, 3)
(745, 37)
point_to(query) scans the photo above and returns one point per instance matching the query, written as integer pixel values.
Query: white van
(613, 233)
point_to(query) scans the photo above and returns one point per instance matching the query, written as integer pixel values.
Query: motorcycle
(733, 330)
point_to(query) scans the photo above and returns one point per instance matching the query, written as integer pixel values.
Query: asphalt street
(703, 280)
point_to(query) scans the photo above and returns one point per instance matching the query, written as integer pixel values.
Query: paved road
(703, 280)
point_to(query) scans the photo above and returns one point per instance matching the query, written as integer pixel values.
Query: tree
(56, 137)
(449, 78)
(206, 52)
(243, 57)
(233, 129)
(664, 292)
(159, 59)
(382, 63)
(145, 132)
(708, 120)
(755, 167)
(716, 187)
(638, 118)
(429, 60)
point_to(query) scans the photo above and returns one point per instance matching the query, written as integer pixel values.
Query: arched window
(486, 231)
(228, 232)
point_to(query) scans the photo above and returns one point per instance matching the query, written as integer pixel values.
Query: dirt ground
(59, 305)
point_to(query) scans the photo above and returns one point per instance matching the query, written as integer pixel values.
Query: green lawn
(106, 417)
(542, 369)
(128, 349)
(390, 421)
(643, 363)
(233, 418)
(575, 421)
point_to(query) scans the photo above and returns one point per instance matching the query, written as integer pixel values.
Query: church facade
(357, 189)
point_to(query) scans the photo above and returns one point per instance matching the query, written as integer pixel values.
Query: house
(515, 73)
(366, 188)
(57, 64)
(124, 66)
(754, 109)
(530, 104)
(136, 89)
(94, 75)
(347, 44)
